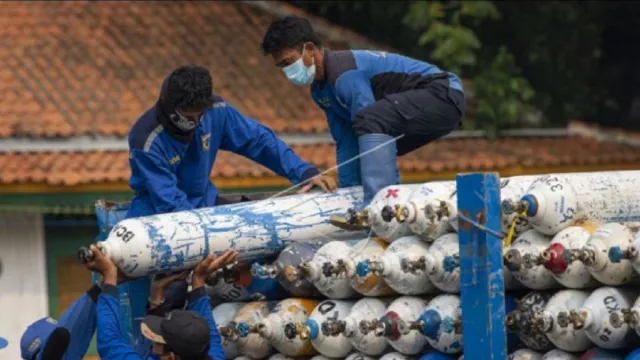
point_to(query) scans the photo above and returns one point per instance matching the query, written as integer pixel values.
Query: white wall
(23, 281)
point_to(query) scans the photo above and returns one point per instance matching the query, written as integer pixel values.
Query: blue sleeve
(80, 320)
(347, 151)
(199, 301)
(111, 343)
(160, 180)
(353, 88)
(247, 137)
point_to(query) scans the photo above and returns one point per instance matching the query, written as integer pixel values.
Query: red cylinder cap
(555, 261)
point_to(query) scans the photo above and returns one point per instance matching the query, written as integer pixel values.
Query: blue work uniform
(371, 98)
(112, 344)
(80, 322)
(170, 174)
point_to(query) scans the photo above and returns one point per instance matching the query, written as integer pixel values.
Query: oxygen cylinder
(344, 266)
(513, 342)
(512, 188)
(331, 346)
(571, 274)
(258, 229)
(243, 358)
(440, 323)
(436, 355)
(293, 255)
(525, 354)
(619, 253)
(363, 309)
(520, 260)
(332, 286)
(593, 316)
(601, 354)
(320, 357)
(627, 317)
(253, 346)
(280, 321)
(594, 255)
(401, 266)
(279, 357)
(394, 356)
(518, 321)
(223, 314)
(554, 202)
(404, 308)
(416, 215)
(559, 355)
(237, 284)
(546, 321)
(358, 356)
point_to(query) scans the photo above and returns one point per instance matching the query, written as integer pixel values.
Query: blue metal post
(481, 278)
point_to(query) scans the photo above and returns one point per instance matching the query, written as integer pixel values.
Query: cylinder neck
(531, 203)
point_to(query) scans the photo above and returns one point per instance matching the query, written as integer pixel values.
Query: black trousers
(422, 115)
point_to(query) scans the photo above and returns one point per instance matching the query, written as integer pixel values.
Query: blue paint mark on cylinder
(436, 355)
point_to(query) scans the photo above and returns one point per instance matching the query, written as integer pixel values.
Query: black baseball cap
(185, 332)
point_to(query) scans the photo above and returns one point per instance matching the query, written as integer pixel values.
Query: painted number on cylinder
(327, 306)
(611, 304)
(123, 233)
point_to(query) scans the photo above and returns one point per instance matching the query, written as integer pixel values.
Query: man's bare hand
(104, 266)
(210, 264)
(327, 183)
(160, 283)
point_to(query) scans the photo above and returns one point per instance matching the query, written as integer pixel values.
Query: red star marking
(392, 192)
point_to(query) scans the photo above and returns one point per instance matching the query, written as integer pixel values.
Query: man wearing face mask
(378, 105)
(173, 147)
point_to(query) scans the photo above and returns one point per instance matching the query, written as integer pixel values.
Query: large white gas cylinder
(258, 229)
(223, 315)
(278, 322)
(344, 266)
(416, 214)
(595, 254)
(358, 356)
(627, 316)
(518, 321)
(594, 317)
(519, 259)
(440, 323)
(525, 354)
(512, 188)
(253, 346)
(333, 287)
(556, 201)
(401, 266)
(394, 356)
(559, 355)
(404, 308)
(364, 309)
(331, 346)
(619, 253)
(292, 255)
(280, 357)
(565, 338)
(557, 257)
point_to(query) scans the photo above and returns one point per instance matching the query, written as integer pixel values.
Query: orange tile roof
(509, 156)
(78, 67)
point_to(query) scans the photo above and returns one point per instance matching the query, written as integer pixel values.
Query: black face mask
(178, 125)
(56, 345)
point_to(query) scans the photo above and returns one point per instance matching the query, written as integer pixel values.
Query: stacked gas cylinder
(570, 269)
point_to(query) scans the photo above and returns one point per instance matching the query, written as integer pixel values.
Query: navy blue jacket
(170, 175)
(355, 79)
(112, 344)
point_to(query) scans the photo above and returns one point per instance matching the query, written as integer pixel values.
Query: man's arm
(80, 320)
(249, 138)
(111, 343)
(199, 301)
(160, 181)
(354, 89)
(347, 151)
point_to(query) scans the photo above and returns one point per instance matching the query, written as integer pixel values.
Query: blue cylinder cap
(362, 269)
(431, 321)
(449, 263)
(615, 254)
(532, 204)
(256, 270)
(243, 329)
(314, 330)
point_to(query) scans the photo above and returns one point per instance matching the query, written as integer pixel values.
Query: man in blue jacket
(181, 335)
(69, 338)
(378, 105)
(173, 147)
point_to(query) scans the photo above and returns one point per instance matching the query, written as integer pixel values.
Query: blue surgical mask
(299, 74)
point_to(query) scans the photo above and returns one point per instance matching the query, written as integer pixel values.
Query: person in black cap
(181, 335)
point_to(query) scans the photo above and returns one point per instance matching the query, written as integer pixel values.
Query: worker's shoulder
(145, 130)
(337, 63)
